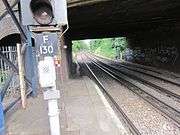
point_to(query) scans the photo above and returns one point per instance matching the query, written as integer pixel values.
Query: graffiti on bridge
(160, 54)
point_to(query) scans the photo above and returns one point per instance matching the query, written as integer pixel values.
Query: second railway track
(133, 130)
(175, 94)
(166, 109)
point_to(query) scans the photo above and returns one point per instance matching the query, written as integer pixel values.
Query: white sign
(46, 44)
(47, 74)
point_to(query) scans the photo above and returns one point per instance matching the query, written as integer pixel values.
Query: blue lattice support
(2, 123)
(35, 83)
(30, 64)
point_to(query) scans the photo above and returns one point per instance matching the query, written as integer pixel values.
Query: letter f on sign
(45, 38)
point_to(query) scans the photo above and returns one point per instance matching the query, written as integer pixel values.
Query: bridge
(152, 31)
(109, 18)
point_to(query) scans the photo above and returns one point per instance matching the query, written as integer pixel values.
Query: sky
(87, 41)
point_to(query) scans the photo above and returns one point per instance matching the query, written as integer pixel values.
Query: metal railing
(9, 78)
(11, 54)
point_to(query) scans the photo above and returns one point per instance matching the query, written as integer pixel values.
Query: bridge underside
(110, 18)
(147, 24)
(151, 27)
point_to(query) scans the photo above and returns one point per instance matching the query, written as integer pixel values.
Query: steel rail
(125, 118)
(158, 88)
(149, 68)
(169, 80)
(167, 110)
(158, 77)
(127, 63)
(139, 66)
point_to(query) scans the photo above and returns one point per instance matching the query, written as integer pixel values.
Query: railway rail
(126, 120)
(142, 68)
(169, 93)
(159, 74)
(167, 110)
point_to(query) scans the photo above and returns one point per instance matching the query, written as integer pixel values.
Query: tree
(120, 44)
(79, 46)
(108, 47)
(94, 44)
(102, 47)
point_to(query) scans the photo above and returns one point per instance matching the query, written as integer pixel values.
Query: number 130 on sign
(46, 49)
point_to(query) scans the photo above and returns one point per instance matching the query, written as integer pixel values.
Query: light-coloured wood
(45, 28)
(21, 76)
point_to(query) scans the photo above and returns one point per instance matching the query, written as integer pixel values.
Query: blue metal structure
(2, 125)
(30, 66)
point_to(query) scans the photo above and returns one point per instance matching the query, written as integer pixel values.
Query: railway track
(124, 117)
(165, 109)
(169, 93)
(151, 69)
(145, 69)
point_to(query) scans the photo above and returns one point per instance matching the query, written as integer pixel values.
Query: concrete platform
(83, 111)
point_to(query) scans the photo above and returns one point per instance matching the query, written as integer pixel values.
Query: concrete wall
(159, 49)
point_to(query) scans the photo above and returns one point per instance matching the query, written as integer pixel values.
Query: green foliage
(3, 76)
(119, 42)
(79, 46)
(102, 47)
(108, 47)
(94, 44)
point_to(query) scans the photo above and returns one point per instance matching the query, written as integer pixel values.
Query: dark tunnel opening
(10, 40)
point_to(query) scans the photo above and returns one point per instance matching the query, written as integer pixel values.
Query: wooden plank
(21, 76)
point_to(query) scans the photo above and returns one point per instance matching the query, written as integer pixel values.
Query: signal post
(44, 19)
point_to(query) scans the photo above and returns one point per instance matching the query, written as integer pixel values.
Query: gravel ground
(145, 117)
(159, 95)
(166, 85)
(148, 69)
(168, 100)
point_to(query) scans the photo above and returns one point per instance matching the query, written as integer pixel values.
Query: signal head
(42, 11)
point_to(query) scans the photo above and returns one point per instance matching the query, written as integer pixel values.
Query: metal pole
(47, 80)
(54, 117)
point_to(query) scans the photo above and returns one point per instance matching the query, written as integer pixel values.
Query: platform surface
(83, 111)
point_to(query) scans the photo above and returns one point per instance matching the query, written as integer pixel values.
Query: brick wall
(7, 26)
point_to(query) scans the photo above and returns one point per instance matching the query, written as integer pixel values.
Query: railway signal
(46, 48)
(44, 12)
(44, 18)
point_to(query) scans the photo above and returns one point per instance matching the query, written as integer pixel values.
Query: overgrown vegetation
(79, 46)
(108, 47)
